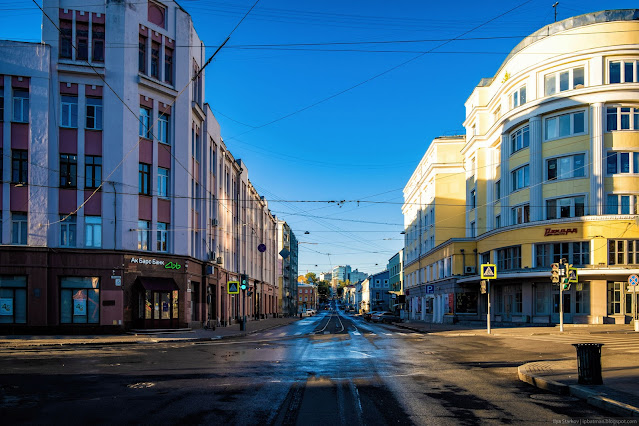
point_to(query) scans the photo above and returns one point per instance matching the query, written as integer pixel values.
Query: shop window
(98, 42)
(567, 167)
(68, 230)
(93, 231)
(582, 298)
(142, 55)
(68, 170)
(623, 252)
(542, 298)
(466, 303)
(144, 179)
(162, 237)
(80, 300)
(19, 166)
(144, 235)
(509, 258)
(618, 162)
(82, 40)
(13, 300)
(92, 171)
(20, 105)
(19, 228)
(66, 37)
(565, 207)
(94, 114)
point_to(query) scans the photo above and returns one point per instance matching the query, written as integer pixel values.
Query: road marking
(298, 333)
(268, 334)
(362, 353)
(356, 333)
(283, 334)
(388, 334)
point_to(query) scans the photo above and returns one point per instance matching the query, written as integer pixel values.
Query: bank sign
(156, 262)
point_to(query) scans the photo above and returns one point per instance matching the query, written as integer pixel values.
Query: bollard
(589, 363)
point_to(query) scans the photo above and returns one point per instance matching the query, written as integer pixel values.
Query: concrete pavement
(620, 371)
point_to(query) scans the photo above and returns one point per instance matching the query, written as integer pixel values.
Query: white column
(596, 200)
(536, 167)
(505, 180)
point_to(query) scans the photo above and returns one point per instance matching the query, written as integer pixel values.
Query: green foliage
(311, 278)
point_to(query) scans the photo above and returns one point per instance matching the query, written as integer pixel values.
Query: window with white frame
(163, 236)
(623, 71)
(520, 178)
(93, 231)
(622, 118)
(576, 253)
(19, 228)
(618, 162)
(67, 230)
(145, 123)
(521, 214)
(144, 235)
(564, 125)
(519, 139)
(622, 204)
(94, 114)
(509, 258)
(163, 129)
(565, 207)
(69, 111)
(623, 252)
(473, 230)
(498, 221)
(567, 167)
(518, 97)
(20, 105)
(563, 80)
(163, 182)
(440, 268)
(473, 199)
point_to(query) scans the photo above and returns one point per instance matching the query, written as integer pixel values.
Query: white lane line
(362, 353)
(298, 333)
(388, 334)
(282, 334)
(356, 333)
(268, 334)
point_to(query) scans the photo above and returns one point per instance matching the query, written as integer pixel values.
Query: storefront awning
(158, 284)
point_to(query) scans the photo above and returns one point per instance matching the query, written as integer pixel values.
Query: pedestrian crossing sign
(233, 287)
(488, 271)
(573, 276)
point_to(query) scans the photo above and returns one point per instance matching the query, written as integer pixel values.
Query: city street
(330, 368)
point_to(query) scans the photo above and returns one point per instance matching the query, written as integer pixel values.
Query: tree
(311, 278)
(323, 290)
(301, 279)
(340, 287)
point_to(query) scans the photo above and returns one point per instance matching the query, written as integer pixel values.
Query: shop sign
(156, 262)
(6, 306)
(550, 232)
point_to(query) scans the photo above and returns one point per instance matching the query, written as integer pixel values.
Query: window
(576, 253)
(163, 128)
(565, 167)
(168, 65)
(614, 297)
(19, 168)
(67, 230)
(69, 111)
(623, 71)
(582, 298)
(82, 40)
(68, 170)
(521, 214)
(518, 97)
(142, 55)
(466, 303)
(520, 178)
(621, 204)
(144, 181)
(20, 106)
(542, 298)
(473, 230)
(13, 294)
(565, 207)
(92, 171)
(498, 190)
(564, 125)
(1, 103)
(519, 139)
(94, 114)
(622, 162)
(66, 36)
(484, 257)
(145, 123)
(509, 258)
(623, 252)
(80, 300)
(144, 235)
(163, 236)
(163, 182)
(473, 199)
(93, 231)
(98, 42)
(155, 60)
(563, 80)
(622, 118)
(498, 221)
(19, 228)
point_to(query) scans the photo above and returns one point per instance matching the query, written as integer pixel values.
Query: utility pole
(554, 6)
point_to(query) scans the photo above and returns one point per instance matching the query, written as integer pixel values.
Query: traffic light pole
(561, 308)
(488, 314)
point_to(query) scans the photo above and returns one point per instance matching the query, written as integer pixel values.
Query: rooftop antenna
(555, 7)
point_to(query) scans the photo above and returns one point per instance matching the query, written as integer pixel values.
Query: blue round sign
(261, 248)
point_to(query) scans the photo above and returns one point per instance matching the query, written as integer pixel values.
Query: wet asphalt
(331, 368)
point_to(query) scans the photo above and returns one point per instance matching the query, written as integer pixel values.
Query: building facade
(551, 172)
(122, 207)
(396, 281)
(287, 269)
(307, 297)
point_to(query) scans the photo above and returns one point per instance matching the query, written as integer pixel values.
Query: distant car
(369, 315)
(387, 317)
(310, 312)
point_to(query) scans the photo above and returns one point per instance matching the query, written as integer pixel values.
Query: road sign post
(633, 285)
(488, 272)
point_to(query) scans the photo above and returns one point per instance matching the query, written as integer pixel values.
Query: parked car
(388, 317)
(376, 315)
(310, 312)
(368, 315)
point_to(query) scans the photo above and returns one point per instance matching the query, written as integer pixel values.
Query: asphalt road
(328, 369)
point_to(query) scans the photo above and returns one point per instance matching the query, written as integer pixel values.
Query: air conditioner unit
(213, 222)
(212, 255)
(468, 270)
(219, 260)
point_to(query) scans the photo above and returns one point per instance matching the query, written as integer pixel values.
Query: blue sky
(280, 90)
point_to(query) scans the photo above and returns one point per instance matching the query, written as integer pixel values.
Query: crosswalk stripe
(268, 334)
(298, 333)
(283, 334)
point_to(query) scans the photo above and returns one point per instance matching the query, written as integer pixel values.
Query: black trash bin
(589, 363)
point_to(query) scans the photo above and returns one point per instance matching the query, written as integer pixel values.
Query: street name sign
(233, 287)
(488, 271)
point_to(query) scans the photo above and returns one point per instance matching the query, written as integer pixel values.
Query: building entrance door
(568, 304)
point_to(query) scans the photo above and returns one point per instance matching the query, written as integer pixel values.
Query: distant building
(325, 276)
(306, 297)
(287, 269)
(396, 280)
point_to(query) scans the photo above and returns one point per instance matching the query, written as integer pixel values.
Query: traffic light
(554, 273)
(243, 282)
(566, 285)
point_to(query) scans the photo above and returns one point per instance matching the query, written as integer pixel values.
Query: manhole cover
(553, 398)
(142, 385)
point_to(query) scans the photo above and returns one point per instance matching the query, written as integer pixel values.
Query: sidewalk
(182, 335)
(620, 371)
